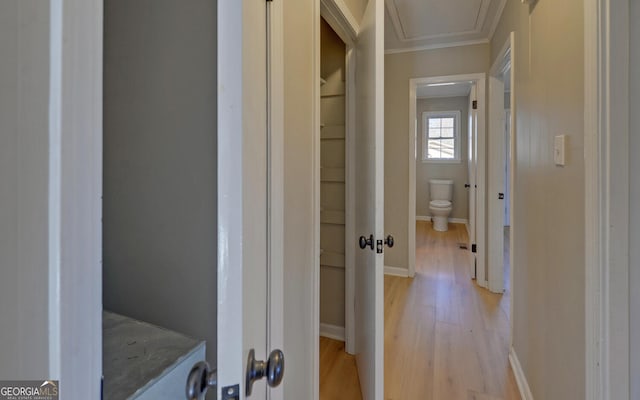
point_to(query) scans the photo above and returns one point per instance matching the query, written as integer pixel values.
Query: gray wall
(160, 164)
(332, 194)
(399, 68)
(634, 239)
(24, 180)
(548, 226)
(458, 172)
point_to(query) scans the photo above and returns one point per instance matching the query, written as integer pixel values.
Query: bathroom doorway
(446, 159)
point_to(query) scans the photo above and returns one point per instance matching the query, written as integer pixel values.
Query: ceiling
(426, 24)
(459, 89)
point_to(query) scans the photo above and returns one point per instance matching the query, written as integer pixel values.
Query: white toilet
(440, 206)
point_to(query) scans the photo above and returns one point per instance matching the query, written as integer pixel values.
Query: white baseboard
(332, 332)
(521, 379)
(395, 271)
(451, 220)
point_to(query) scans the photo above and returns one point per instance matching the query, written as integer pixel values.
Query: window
(441, 136)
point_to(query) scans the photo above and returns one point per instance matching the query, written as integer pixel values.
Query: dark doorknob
(389, 241)
(272, 369)
(501, 196)
(364, 242)
(467, 185)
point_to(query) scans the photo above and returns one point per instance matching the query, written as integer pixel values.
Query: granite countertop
(137, 354)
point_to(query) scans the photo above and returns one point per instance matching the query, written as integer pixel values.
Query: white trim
(513, 139)
(606, 199)
(76, 196)
(275, 287)
(55, 184)
(230, 260)
(350, 202)
(436, 46)
(480, 80)
(521, 379)
(315, 236)
(481, 21)
(334, 332)
(451, 220)
(338, 16)
(395, 271)
(426, 115)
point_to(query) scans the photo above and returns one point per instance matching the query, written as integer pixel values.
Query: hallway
(445, 338)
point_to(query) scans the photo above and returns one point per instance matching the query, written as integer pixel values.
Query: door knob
(500, 196)
(201, 378)
(272, 369)
(389, 241)
(364, 242)
(467, 185)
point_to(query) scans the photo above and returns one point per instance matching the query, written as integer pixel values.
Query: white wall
(399, 68)
(458, 172)
(160, 164)
(24, 180)
(549, 215)
(634, 239)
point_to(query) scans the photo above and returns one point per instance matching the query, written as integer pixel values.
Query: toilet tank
(441, 189)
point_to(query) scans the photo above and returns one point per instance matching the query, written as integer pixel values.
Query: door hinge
(474, 248)
(474, 104)
(379, 246)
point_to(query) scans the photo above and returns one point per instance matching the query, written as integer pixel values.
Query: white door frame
(495, 209)
(75, 196)
(480, 81)
(344, 24)
(607, 199)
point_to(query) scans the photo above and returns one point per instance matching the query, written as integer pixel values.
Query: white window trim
(456, 136)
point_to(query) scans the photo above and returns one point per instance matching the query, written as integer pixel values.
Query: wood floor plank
(445, 337)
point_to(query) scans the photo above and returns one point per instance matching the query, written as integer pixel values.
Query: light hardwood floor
(445, 337)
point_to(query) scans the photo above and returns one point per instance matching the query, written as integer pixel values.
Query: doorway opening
(459, 162)
(336, 314)
(500, 170)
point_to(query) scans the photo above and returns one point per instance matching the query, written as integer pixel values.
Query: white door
(369, 158)
(472, 156)
(249, 205)
(496, 196)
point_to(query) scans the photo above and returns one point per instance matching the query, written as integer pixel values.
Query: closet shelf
(331, 259)
(333, 217)
(331, 174)
(332, 132)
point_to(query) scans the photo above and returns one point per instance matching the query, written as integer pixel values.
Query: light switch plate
(559, 150)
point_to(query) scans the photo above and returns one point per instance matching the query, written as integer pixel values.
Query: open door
(249, 332)
(472, 164)
(369, 172)
(500, 76)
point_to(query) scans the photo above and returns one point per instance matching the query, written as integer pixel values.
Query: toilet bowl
(440, 210)
(440, 206)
